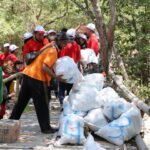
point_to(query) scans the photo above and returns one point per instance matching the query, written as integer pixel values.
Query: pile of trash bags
(101, 109)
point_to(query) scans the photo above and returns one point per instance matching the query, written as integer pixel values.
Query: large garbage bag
(95, 80)
(113, 108)
(84, 100)
(95, 119)
(68, 110)
(72, 130)
(88, 56)
(124, 128)
(66, 66)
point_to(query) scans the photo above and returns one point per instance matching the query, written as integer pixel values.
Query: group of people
(39, 77)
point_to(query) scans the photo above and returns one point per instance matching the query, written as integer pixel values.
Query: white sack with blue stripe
(124, 128)
(72, 130)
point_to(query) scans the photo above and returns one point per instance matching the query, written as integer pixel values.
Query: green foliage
(132, 27)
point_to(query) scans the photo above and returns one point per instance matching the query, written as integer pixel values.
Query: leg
(23, 99)
(41, 103)
(61, 92)
(68, 87)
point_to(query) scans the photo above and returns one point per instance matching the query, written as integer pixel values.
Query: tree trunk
(120, 64)
(106, 38)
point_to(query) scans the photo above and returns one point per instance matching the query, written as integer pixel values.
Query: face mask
(51, 37)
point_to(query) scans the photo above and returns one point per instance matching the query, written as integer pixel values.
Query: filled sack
(115, 107)
(66, 66)
(88, 56)
(67, 109)
(122, 129)
(95, 80)
(72, 130)
(83, 100)
(95, 119)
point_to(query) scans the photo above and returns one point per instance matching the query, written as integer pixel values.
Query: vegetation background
(131, 36)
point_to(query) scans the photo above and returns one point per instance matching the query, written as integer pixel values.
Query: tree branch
(88, 11)
(56, 18)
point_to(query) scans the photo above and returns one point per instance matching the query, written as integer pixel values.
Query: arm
(51, 72)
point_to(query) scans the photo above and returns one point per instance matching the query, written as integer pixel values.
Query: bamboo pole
(12, 77)
(139, 103)
(17, 85)
(140, 143)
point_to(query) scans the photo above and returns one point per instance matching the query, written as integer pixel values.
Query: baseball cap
(91, 26)
(13, 47)
(71, 32)
(83, 36)
(51, 31)
(39, 29)
(6, 45)
(27, 35)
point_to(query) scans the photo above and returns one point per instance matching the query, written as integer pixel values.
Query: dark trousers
(63, 87)
(32, 88)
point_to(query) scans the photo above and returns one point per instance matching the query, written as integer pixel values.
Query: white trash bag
(124, 128)
(95, 119)
(91, 144)
(72, 130)
(105, 95)
(66, 66)
(84, 100)
(114, 108)
(67, 109)
(88, 56)
(94, 80)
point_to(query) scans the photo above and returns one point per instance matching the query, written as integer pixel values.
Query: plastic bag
(124, 128)
(95, 80)
(67, 109)
(66, 66)
(115, 107)
(91, 144)
(72, 130)
(88, 56)
(84, 100)
(95, 119)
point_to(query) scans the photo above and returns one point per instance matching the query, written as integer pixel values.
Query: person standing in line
(72, 50)
(92, 42)
(35, 43)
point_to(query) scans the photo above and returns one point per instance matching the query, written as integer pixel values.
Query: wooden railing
(12, 77)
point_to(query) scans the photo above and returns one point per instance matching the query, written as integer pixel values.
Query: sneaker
(49, 131)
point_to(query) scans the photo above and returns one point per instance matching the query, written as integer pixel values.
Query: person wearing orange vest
(36, 77)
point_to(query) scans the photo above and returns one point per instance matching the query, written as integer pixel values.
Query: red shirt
(72, 50)
(33, 45)
(93, 43)
(2, 57)
(10, 57)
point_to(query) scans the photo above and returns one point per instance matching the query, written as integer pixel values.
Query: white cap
(51, 31)
(71, 32)
(27, 35)
(40, 29)
(13, 47)
(83, 36)
(6, 45)
(91, 26)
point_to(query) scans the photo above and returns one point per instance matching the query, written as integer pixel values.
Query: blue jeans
(63, 87)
